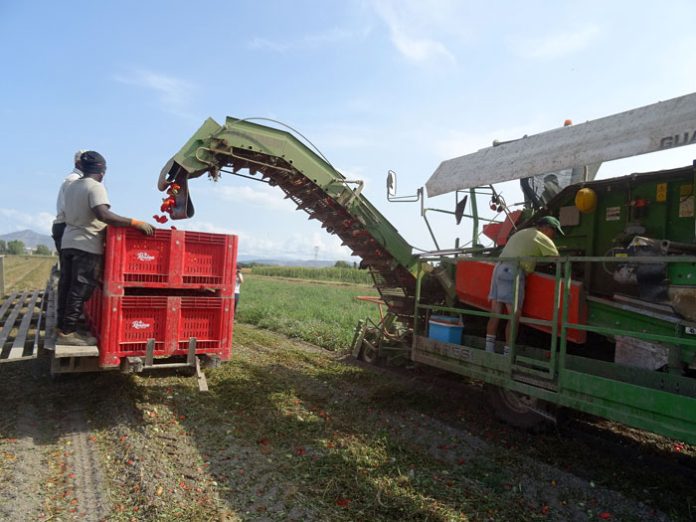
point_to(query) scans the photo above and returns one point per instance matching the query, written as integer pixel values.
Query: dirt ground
(292, 432)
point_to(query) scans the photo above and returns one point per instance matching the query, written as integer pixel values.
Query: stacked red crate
(168, 287)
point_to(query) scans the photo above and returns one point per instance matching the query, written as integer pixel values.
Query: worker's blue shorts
(503, 284)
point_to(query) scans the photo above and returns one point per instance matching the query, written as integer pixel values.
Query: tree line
(16, 247)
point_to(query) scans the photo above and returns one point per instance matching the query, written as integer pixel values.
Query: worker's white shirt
(83, 231)
(60, 203)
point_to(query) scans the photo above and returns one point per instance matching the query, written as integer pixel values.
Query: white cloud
(174, 93)
(309, 41)
(292, 246)
(261, 195)
(407, 21)
(13, 220)
(333, 35)
(267, 45)
(556, 45)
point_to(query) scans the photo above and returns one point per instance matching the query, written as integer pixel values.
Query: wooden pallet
(20, 313)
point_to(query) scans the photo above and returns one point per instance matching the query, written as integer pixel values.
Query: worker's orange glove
(145, 228)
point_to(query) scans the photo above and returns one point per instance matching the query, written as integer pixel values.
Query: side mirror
(459, 209)
(391, 184)
(391, 191)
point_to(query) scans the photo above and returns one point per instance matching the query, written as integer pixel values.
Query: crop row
(344, 275)
(318, 313)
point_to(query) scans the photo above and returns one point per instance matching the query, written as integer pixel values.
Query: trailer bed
(23, 324)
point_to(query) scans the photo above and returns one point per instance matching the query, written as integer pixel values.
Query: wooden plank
(2, 276)
(11, 319)
(6, 304)
(39, 325)
(17, 350)
(51, 312)
(64, 350)
(659, 126)
(202, 381)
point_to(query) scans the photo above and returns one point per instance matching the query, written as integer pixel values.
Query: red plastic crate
(171, 259)
(125, 324)
(92, 311)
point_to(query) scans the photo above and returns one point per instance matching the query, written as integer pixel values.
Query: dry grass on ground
(27, 272)
(292, 432)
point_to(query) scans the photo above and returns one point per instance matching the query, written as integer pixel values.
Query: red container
(473, 281)
(123, 326)
(171, 259)
(92, 311)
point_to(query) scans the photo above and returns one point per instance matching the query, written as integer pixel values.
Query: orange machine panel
(474, 281)
(499, 232)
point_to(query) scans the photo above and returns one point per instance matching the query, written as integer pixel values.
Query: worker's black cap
(91, 162)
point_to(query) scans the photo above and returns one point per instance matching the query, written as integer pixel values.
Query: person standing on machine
(87, 214)
(530, 242)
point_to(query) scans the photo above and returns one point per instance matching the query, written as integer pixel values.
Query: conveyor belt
(281, 160)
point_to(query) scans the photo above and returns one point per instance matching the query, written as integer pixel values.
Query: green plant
(317, 312)
(15, 247)
(344, 274)
(42, 250)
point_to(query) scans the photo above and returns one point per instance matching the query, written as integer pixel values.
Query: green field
(345, 275)
(320, 313)
(27, 272)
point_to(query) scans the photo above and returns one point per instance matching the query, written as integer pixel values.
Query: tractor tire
(518, 410)
(369, 353)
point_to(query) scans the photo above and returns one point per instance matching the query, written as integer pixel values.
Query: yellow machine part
(586, 200)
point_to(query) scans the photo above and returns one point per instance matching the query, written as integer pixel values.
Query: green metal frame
(658, 401)
(203, 152)
(662, 402)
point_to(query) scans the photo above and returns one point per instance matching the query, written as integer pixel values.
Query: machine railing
(559, 323)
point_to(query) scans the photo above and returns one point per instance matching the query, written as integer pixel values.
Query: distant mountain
(30, 238)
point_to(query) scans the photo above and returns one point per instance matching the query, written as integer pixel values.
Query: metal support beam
(660, 126)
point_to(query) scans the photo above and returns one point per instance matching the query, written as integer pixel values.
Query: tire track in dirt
(21, 497)
(84, 464)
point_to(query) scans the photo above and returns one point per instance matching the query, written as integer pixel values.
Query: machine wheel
(369, 352)
(516, 409)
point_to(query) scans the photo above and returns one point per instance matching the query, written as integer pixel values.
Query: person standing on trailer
(59, 223)
(530, 242)
(237, 288)
(86, 210)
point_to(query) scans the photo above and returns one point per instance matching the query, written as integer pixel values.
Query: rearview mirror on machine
(459, 209)
(391, 191)
(391, 184)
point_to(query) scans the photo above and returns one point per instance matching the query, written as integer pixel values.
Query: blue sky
(375, 84)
